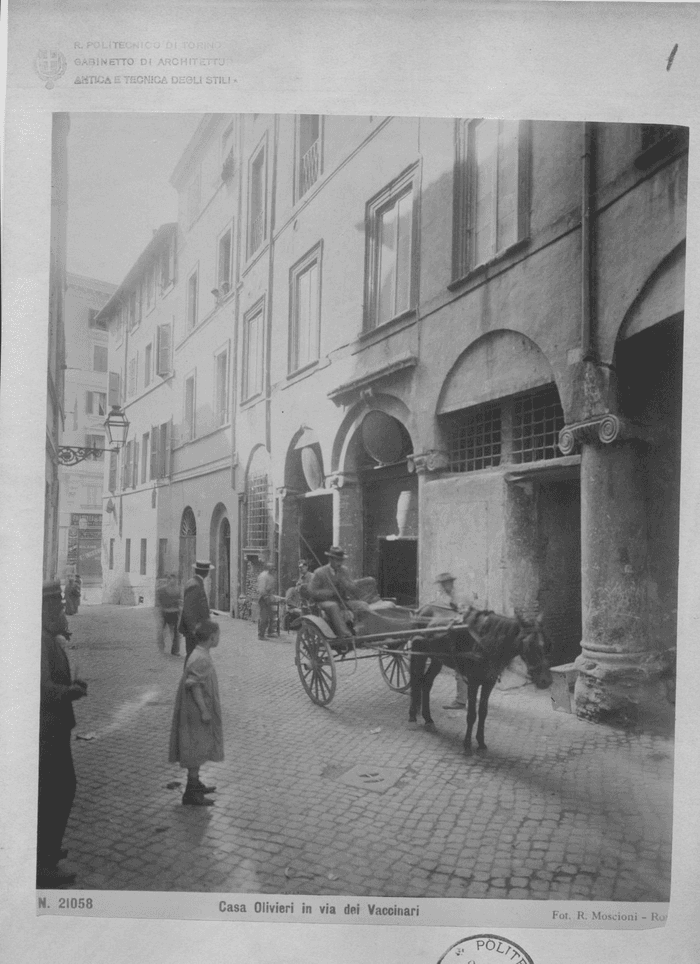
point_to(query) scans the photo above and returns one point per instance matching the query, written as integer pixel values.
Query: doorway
(398, 570)
(223, 566)
(315, 528)
(188, 545)
(559, 555)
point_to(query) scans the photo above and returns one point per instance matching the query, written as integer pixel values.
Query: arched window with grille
(258, 503)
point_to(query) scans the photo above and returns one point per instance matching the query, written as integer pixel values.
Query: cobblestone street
(557, 808)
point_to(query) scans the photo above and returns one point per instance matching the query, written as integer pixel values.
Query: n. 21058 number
(74, 903)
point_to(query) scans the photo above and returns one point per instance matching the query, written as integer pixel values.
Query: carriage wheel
(394, 665)
(315, 664)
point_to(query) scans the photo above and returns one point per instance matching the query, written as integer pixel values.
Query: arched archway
(378, 497)
(188, 544)
(220, 542)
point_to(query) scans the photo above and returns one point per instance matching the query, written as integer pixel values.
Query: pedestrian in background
(72, 594)
(168, 613)
(57, 783)
(196, 734)
(195, 605)
(267, 599)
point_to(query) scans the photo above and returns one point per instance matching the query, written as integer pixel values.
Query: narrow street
(557, 808)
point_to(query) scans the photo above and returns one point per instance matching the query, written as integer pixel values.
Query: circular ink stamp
(485, 949)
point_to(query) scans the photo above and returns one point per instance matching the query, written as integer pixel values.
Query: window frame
(298, 157)
(189, 427)
(127, 555)
(260, 149)
(192, 302)
(222, 416)
(89, 407)
(221, 281)
(95, 350)
(258, 309)
(143, 557)
(147, 364)
(463, 259)
(304, 264)
(408, 181)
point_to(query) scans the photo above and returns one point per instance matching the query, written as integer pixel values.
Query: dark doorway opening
(559, 551)
(398, 570)
(315, 528)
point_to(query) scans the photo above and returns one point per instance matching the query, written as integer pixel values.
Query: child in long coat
(196, 735)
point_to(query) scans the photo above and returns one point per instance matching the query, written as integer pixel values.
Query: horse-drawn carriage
(476, 643)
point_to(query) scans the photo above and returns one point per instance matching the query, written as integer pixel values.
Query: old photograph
(362, 508)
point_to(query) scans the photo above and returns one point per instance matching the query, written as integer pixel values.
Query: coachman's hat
(445, 577)
(335, 552)
(204, 565)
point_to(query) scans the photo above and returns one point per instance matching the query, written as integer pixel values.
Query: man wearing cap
(56, 720)
(333, 589)
(267, 584)
(440, 610)
(195, 605)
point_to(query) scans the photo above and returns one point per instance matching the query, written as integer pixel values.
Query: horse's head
(533, 647)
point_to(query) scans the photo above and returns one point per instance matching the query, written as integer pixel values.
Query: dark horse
(479, 645)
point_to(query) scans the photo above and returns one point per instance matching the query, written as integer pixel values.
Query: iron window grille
(537, 421)
(474, 439)
(257, 492)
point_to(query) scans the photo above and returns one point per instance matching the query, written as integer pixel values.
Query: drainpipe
(235, 342)
(587, 337)
(268, 353)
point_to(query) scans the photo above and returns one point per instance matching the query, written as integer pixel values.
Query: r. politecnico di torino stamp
(485, 949)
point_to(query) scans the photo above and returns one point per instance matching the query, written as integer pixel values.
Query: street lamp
(117, 428)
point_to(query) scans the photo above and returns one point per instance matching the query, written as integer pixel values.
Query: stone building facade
(86, 389)
(454, 344)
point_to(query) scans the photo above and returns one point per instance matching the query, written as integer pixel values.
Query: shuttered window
(164, 349)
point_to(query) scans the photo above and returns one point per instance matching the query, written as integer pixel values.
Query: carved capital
(604, 430)
(431, 461)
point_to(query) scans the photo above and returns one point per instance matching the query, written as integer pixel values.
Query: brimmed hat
(51, 589)
(203, 564)
(445, 577)
(335, 552)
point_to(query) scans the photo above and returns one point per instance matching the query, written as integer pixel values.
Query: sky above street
(119, 191)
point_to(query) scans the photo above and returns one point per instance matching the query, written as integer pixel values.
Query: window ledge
(387, 327)
(251, 400)
(304, 370)
(483, 267)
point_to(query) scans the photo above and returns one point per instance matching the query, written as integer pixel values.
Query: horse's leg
(472, 692)
(416, 672)
(483, 710)
(428, 680)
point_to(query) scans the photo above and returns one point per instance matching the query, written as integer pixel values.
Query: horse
(479, 644)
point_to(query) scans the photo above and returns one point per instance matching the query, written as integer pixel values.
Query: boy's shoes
(455, 705)
(48, 877)
(194, 797)
(203, 788)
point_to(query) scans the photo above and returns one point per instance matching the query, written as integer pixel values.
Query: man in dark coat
(333, 588)
(56, 720)
(195, 605)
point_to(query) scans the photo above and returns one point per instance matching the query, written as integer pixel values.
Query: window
(163, 349)
(131, 387)
(308, 152)
(127, 556)
(95, 403)
(188, 418)
(194, 197)
(491, 193)
(151, 290)
(147, 364)
(118, 317)
(160, 451)
(162, 556)
(223, 278)
(99, 358)
(305, 313)
(142, 567)
(537, 420)
(132, 310)
(192, 287)
(95, 322)
(474, 439)
(221, 387)
(95, 442)
(111, 553)
(256, 202)
(253, 354)
(257, 498)
(128, 465)
(167, 265)
(93, 495)
(144, 456)
(135, 466)
(390, 227)
(115, 388)
(112, 471)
